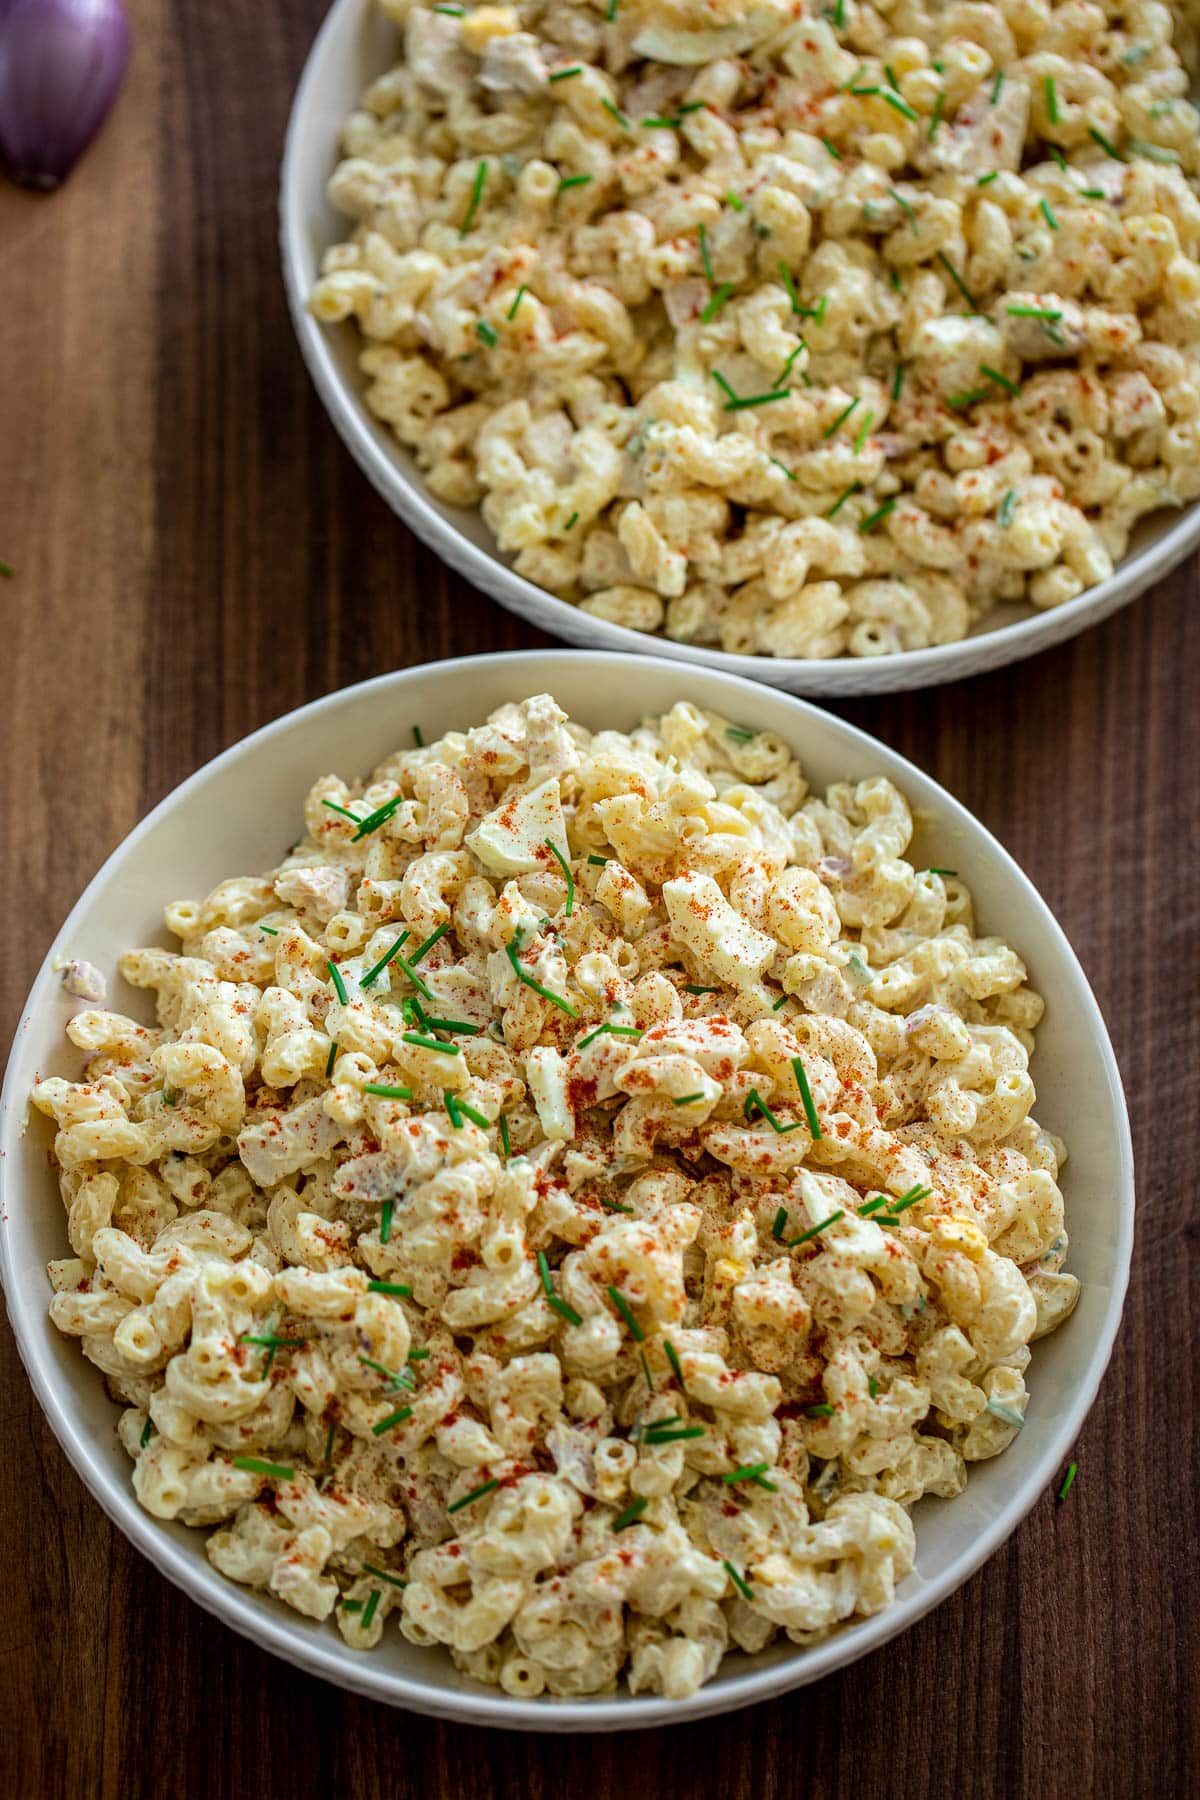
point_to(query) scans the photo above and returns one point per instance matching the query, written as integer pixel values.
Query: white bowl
(356, 44)
(237, 815)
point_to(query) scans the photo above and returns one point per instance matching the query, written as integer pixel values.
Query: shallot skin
(61, 66)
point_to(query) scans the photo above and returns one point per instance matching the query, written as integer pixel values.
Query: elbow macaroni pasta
(796, 330)
(572, 1208)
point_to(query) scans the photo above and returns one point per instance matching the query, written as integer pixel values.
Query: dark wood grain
(195, 553)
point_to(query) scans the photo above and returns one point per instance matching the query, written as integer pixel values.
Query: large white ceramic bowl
(356, 44)
(236, 816)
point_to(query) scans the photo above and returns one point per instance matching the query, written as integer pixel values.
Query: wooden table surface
(195, 553)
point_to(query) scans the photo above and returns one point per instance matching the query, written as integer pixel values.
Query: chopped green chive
(451, 1105)
(504, 1137)
(971, 398)
(353, 1606)
(675, 1435)
(510, 950)
(687, 1099)
(854, 488)
(734, 200)
(841, 418)
(1093, 193)
(629, 1513)
(616, 113)
(565, 74)
(908, 209)
(339, 986)
(611, 14)
(755, 1472)
(878, 516)
(1006, 509)
(521, 293)
(486, 332)
(832, 149)
(1136, 55)
(824, 1411)
(271, 1341)
(1108, 148)
(673, 1359)
(781, 1219)
(755, 1103)
(574, 181)
(626, 1311)
(565, 866)
(716, 303)
(418, 1355)
(385, 1223)
(1010, 387)
(816, 1230)
(427, 1043)
(985, 180)
(739, 734)
(327, 1455)
(544, 1271)
(1153, 152)
(704, 256)
(599, 862)
(418, 740)
(739, 1581)
(913, 1196)
(464, 1027)
(476, 1118)
(1051, 92)
(451, 12)
(403, 1379)
(147, 1428)
(931, 871)
(271, 930)
(380, 1574)
(330, 1060)
(615, 1206)
(254, 1465)
(379, 817)
(476, 1494)
(778, 1005)
(430, 941)
(369, 1609)
(996, 86)
(740, 402)
(839, 14)
(872, 1387)
(476, 196)
(1044, 209)
(1072, 1471)
(1008, 1414)
(1059, 158)
(389, 1287)
(810, 1111)
(373, 973)
(789, 282)
(723, 385)
(898, 380)
(897, 104)
(863, 432)
(958, 281)
(694, 988)
(646, 1371)
(1033, 312)
(873, 1204)
(784, 467)
(393, 1419)
(607, 1030)
(936, 116)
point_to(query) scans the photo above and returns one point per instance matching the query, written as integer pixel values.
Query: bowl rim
(245, 1610)
(408, 496)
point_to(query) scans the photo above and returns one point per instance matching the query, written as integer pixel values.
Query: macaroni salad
(572, 1208)
(800, 329)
